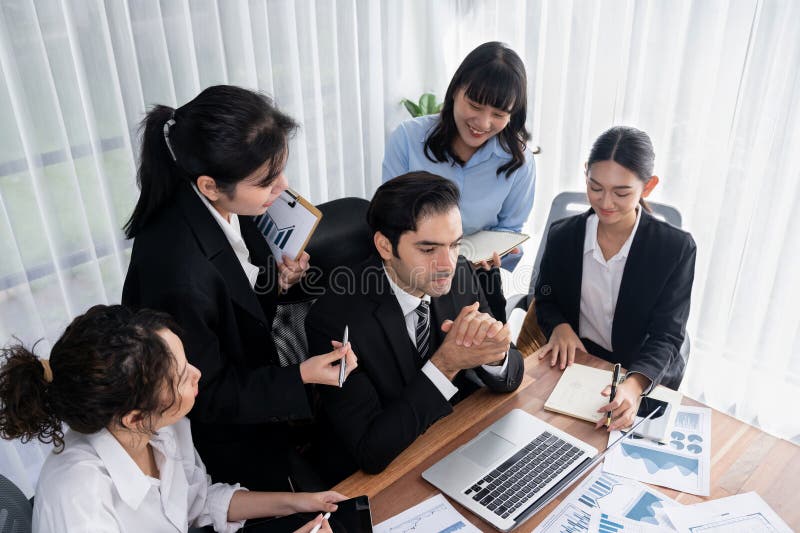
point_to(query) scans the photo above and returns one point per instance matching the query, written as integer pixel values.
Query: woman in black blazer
(206, 169)
(615, 281)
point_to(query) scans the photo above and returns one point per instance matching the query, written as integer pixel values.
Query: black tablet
(352, 516)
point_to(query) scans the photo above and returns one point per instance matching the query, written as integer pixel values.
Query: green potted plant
(426, 106)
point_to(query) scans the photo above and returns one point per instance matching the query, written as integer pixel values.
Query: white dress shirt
(234, 235)
(95, 486)
(408, 304)
(600, 284)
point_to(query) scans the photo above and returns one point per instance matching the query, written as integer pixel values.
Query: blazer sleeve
(231, 393)
(548, 312)
(373, 433)
(667, 326)
(513, 375)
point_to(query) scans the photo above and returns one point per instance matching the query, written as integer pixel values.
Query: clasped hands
(471, 340)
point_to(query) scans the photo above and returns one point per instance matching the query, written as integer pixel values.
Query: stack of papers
(434, 515)
(683, 463)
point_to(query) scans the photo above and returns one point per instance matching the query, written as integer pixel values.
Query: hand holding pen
(343, 361)
(614, 383)
(623, 401)
(326, 369)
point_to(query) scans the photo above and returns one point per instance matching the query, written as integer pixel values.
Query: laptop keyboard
(506, 488)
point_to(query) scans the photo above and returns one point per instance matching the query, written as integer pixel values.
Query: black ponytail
(225, 132)
(158, 174)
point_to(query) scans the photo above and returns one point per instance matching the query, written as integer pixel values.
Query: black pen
(614, 380)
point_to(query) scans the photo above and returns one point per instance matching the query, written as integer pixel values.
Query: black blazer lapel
(218, 250)
(390, 318)
(632, 287)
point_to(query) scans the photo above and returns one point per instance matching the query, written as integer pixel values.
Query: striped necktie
(423, 330)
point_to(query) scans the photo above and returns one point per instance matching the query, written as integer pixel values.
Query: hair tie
(48, 372)
(167, 125)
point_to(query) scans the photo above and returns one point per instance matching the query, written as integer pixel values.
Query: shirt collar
(130, 482)
(590, 239)
(231, 229)
(408, 302)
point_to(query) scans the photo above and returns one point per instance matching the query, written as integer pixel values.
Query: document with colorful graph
(288, 224)
(682, 463)
(434, 515)
(603, 502)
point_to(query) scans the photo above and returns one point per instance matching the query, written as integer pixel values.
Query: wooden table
(743, 458)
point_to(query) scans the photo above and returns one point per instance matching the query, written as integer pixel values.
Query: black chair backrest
(15, 510)
(342, 240)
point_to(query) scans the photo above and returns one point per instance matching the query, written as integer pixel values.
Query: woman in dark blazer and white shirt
(615, 281)
(206, 169)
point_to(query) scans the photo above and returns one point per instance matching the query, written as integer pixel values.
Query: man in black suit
(419, 323)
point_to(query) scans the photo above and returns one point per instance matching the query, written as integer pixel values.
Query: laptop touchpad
(487, 449)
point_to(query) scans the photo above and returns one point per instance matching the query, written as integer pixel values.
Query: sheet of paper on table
(616, 502)
(683, 463)
(434, 515)
(741, 512)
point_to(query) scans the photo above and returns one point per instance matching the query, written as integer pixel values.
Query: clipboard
(288, 224)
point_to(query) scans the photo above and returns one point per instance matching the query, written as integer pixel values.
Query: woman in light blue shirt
(478, 141)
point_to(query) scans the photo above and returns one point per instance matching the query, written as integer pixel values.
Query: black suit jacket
(653, 303)
(183, 264)
(387, 402)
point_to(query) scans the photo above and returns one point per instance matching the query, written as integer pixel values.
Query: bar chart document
(288, 224)
(742, 512)
(434, 515)
(604, 502)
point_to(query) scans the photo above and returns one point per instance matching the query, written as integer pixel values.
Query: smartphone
(352, 516)
(655, 428)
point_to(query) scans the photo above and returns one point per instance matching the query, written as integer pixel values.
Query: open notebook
(577, 394)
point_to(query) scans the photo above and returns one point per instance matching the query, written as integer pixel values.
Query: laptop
(514, 468)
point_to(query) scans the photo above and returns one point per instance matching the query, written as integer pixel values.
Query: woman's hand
(494, 263)
(625, 404)
(290, 271)
(308, 502)
(324, 528)
(322, 368)
(561, 346)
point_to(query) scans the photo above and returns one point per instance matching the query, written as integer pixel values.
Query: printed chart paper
(683, 463)
(434, 515)
(619, 504)
(742, 512)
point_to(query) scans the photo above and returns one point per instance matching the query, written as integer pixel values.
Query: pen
(316, 528)
(343, 362)
(614, 380)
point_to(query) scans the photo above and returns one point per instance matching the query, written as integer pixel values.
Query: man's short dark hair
(399, 203)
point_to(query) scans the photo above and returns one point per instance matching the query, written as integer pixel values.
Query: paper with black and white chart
(288, 225)
(683, 463)
(617, 503)
(434, 515)
(743, 512)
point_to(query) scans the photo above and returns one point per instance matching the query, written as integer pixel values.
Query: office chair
(16, 511)
(572, 203)
(342, 240)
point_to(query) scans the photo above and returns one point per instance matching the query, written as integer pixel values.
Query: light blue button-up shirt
(488, 201)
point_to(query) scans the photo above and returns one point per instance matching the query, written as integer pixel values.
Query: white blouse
(600, 284)
(93, 485)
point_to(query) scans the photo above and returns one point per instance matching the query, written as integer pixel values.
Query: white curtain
(716, 84)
